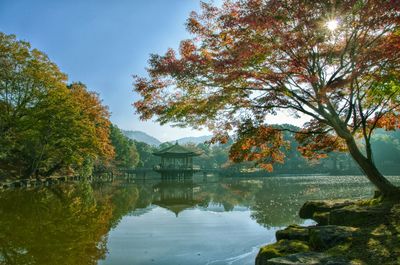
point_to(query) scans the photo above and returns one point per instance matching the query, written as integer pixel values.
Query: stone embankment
(37, 182)
(347, 232)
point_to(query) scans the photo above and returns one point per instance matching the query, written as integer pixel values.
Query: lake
(214, 221)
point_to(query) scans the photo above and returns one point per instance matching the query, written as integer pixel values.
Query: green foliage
(147, 159)
(126, 155)
(46, 127)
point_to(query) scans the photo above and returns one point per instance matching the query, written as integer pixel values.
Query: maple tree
(335, 62)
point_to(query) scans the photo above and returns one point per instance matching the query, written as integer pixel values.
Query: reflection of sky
(217, 207)
(194, 237)
(211, 235)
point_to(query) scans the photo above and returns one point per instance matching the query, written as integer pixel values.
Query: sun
(332, 24)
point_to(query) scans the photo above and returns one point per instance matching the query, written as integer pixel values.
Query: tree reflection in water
(69, 223)
(58, 225)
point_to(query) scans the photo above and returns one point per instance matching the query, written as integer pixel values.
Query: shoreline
(347, 232)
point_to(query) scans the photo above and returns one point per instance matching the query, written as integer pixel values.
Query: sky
(102, 43)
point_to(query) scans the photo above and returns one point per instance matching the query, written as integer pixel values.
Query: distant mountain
(148, 139)
(194, 140)
(142, 137)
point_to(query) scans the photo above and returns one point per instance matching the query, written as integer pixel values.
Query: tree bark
(368, 167)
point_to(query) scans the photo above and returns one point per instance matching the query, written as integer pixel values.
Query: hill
(142, 137)
(195, 140)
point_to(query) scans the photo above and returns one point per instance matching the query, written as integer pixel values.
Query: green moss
(282, 248)
(375, 239)
(293, 232)
(321, 218)
(269, 252)
(369, 202)
(379, 240)
(340, 249)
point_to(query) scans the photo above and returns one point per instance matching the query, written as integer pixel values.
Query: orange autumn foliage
(250, 58)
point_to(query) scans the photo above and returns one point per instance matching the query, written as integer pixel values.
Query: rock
(318, 237)
(281, 248)
(325, 237)
(356, 215)
(308, 258)
(293, 232)
(343, 212)
(322, 218)
(309, 208)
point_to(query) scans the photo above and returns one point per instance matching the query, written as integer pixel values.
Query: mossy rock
(309, 208)
(279, 249)
(293, 232)
(356, 215)
(309, 258)
(368, 232)
(325, 237)
(322, 218)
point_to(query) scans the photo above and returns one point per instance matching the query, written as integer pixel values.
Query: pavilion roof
(176, 150)
(176, 206)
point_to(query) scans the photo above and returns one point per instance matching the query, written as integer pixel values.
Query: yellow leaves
(95, 118)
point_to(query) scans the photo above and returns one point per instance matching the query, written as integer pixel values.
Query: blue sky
(102, 43)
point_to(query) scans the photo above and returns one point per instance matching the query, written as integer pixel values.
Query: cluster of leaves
(253, 58)
(262, 144)
(318, 145)
(46, 126)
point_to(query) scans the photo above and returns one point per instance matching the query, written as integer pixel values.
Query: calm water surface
(218, 221)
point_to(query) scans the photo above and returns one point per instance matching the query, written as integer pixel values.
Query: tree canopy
(335, 62)
(46, 126)
(126, 154)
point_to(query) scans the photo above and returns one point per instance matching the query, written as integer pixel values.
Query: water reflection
(57, 225)
(70, 223)
(176, 196)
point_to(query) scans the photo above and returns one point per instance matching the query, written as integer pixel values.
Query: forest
(51, 127)
(386, 145)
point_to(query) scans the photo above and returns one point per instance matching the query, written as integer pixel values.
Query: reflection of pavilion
(175, 196)
(176, 162)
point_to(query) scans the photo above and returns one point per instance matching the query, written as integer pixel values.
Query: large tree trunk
(368, 167)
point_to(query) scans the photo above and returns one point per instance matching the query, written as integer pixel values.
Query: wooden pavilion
(176, 162)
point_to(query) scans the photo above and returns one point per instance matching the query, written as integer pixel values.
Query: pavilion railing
(176, 167)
